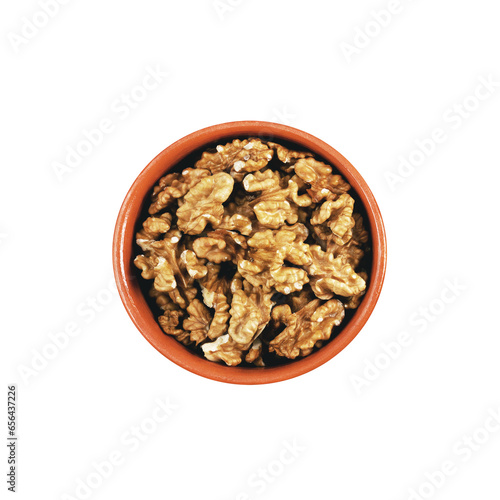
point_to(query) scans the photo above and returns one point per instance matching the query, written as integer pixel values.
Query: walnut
(203, 203)
(183, 296)
(146, 266)
(352, 251)
(195, 267)
(148, 243)
(161, 262)
(305, 328)
(300, 299)
(198, 322)
(355, 300)
(262, 181)
(236, 283)
(280, 313)
(248, 155)
(272, 208)
(254, 353)
(359, 233)
(330, 275)
(236, 222)
(163, 300)
(337, 215)
(294, 185)
(301, 234)
(216, 295)
(210, 284)
(250, 313)
(264, 265)
(220, 246)
(324, 185)
(175, 186)
(153, 227)
(164, 276)
(251, 225)
(287, 156)
(238, 215)
(221, 317)
(155, 266)
(223, 349)
(169, 321)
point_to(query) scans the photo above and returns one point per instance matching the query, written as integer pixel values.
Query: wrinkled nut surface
(255, 253)
(287, 156)
(332, 275)
(250, 313)
(174, 186)
(198, 322)
(265, 263)
(248, 155)
(323, 184)
(203, 203)
(313, 323)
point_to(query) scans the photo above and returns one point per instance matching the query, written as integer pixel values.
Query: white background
(278, 61)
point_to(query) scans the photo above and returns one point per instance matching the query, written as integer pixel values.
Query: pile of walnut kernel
(253, 253)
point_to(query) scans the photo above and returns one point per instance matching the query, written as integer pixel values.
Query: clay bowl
(127, 277)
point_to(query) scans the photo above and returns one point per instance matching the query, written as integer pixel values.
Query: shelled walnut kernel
(255, 253)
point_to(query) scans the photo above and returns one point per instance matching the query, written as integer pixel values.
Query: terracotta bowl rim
(136, 305)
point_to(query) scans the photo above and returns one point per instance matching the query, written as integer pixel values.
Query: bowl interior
(132, 211)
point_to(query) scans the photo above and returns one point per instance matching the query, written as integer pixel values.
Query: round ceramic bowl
(127, 277)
